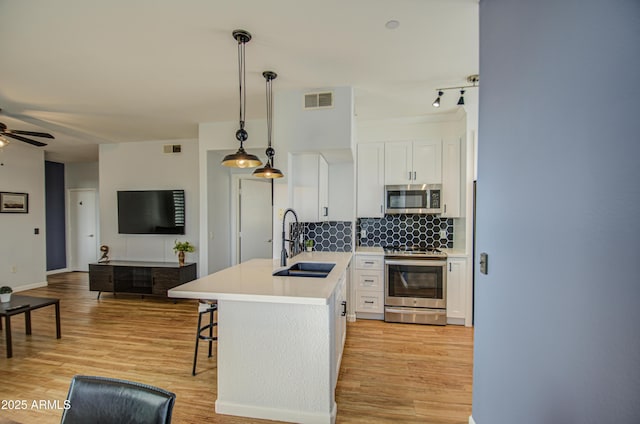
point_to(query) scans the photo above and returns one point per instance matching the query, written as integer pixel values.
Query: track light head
(436, 103)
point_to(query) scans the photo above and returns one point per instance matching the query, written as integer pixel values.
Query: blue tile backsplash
(331, 236)
(401, 230)
(405, 230)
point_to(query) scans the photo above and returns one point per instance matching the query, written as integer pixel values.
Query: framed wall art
(14, 202)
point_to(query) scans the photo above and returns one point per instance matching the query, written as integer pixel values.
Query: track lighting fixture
(268, 171)
(3, 141)
(473, 79)
(241, 159)
(437, 102)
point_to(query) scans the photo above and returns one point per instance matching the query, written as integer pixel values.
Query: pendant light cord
(269, 110)
(241, 79)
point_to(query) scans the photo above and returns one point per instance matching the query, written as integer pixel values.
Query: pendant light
(241, 159)
(268, 171)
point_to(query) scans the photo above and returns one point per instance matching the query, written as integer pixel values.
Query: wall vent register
(318, 100)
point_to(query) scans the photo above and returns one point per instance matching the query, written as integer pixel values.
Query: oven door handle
(424, 262)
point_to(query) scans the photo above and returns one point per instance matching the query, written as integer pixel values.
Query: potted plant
(5, 294)
(309, 245)
(180, 247)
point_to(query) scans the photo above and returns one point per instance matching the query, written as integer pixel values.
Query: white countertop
(377, 250)
(369, 250)
(252, 281)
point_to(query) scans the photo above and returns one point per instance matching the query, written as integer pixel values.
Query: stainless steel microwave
(413, 198)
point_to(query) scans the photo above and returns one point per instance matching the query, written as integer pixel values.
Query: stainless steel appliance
(415, 285)
(413, 198)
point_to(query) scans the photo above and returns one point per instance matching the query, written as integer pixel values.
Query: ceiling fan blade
(26, 140)
(32, 133)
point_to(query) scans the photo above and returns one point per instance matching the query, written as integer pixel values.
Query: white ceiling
(91, 72)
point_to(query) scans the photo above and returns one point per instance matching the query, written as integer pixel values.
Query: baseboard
(351, 317)
(370, 315)
(471, 420)
(58, 271)
(243, 410)
(30, 286)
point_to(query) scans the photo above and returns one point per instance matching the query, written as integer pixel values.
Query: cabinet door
(323, 189)
(370, 193)
(100, 277)
(427, 162)
(304, 179)
(451, 173)
(456, 288)
(398, 163)
(164, 279)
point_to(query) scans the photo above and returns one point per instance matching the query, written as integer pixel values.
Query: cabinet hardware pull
(326, 211)
(380, 208)
(368, 301)
(449, 266)
(409, 174)
(445, 208)
(415, 175)
(368, 281)
(344, 308)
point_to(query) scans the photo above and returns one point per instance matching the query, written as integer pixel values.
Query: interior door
(83, 244)
(255, 221)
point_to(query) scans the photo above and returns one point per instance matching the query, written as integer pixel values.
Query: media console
(137, 277)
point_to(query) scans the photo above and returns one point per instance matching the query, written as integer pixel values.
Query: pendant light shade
(268, 171)
(461, 99)
(241, 159)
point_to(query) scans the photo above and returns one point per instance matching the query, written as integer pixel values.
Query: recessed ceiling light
(392, 24)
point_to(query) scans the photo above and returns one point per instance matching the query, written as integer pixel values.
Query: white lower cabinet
(340, 322)
(456, 290)
(369, 281)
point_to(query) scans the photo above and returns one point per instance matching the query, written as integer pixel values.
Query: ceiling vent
(318, 100)
(172, 148)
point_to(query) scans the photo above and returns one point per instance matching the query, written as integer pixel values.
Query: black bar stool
(205, 307)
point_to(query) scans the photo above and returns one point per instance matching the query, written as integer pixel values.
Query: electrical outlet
(363, 233)
(280, 213)
(443, 234)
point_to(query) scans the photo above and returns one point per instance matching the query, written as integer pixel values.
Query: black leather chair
(101, 400)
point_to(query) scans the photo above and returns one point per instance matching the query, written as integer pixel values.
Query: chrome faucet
(294, 240)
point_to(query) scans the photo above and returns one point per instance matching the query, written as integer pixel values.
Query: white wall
(81, 175)
(22, 170)
(412, 128)
(144, 166)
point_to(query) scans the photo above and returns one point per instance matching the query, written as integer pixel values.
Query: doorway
(254, 224)
(83, 237)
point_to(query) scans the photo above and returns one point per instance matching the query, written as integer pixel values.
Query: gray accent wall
(557, 317)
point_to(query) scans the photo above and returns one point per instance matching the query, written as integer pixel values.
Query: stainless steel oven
(416, 288)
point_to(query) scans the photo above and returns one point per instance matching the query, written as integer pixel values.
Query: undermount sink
(306, 269)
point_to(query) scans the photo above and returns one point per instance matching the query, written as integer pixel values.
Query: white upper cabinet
(417, 162)
(310, 186)
(398, 163)
(370, 180)
(451, 178)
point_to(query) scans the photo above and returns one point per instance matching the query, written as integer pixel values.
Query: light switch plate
(484, 259)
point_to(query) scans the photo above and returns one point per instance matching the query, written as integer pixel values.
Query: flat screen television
(151, 212)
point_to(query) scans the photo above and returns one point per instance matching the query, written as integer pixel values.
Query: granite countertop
(252, 281)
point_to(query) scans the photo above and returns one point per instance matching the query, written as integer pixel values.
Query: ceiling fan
(17, 134)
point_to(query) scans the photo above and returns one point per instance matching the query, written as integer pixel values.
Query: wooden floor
(391, 373)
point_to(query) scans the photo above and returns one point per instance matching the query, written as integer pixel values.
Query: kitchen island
(280, 339)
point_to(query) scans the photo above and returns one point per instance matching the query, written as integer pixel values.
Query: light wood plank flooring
(391, 373)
